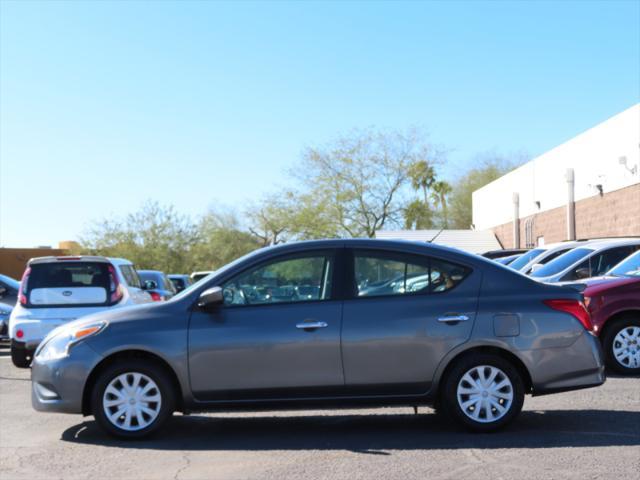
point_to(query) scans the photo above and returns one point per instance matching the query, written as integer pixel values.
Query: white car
(536, 257)
(591, 260)
(57, 290)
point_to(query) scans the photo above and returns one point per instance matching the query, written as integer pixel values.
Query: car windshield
(10, 282)
(629, 267)
(562, 262)
(526, 258)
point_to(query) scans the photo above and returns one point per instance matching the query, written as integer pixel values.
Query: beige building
(587, 187)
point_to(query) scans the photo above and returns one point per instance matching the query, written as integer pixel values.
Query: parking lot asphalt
(585, 434)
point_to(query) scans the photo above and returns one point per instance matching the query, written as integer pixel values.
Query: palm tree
(422, 176)
(440, 191)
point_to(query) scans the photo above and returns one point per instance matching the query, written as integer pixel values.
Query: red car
(614, 304)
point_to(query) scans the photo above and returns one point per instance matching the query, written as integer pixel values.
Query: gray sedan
(334, 323)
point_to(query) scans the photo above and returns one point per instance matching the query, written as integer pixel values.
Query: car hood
(600, 284)
(117, 315)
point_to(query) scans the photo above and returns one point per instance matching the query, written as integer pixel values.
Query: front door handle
(312, 325)
(453, 318)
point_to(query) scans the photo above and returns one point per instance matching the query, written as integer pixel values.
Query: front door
(277, 333)
(406, 313)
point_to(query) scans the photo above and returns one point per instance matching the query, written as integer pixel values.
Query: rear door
(405, 313)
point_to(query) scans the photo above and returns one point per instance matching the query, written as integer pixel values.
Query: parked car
(613, 301)
(8, 290)
(507, 260)
(180, 281)
(505, 252)
(591, 260)
(5, 313)
(540, 256)
(57, 290)
(157, 284)
(472, 340)
(197, 276)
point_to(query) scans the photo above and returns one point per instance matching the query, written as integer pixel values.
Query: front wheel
(621, 344)
(132, 400)
(483, 392)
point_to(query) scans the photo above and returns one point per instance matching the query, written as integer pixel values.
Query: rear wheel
(20, 356)
(132, 400)
(621, 343)
(483, 392)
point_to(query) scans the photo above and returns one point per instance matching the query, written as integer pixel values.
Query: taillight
(155, 296)
(22, 291)
(573, 307)
(114, 286)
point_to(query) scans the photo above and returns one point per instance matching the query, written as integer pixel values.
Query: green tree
(440, 191)
(422, 176)
(220, 240)
(155, 237)
(417, 216)
(491, 166)
(354, 185)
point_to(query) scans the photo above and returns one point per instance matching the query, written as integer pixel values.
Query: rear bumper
(579, 366)
(58, 385)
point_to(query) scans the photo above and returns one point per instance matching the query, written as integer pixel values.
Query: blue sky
(104, 105)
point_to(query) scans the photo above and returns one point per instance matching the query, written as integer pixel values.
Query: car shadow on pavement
(375, 433)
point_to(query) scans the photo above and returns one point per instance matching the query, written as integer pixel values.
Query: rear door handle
(453, 318)
(311, 325)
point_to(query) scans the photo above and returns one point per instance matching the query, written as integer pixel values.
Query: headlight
(59, 344)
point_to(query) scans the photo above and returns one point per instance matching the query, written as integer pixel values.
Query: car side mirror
(583, 272)
(149, 285)
(211, 297)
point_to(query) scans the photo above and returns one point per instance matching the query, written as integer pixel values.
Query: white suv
(56, 290)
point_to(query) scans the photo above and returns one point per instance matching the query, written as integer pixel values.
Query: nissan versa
(332, 323)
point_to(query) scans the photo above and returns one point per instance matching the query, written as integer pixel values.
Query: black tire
(449, 392)
(145, 367)
(608, 341)
(20, 356)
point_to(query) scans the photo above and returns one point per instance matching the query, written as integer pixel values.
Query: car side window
(297, 279)
(607, 260)
(130, 275)
(381, 274)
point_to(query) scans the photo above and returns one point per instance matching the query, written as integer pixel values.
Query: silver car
(333, 323)
(593, 259)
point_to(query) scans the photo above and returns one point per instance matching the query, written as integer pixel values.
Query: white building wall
(594, 156)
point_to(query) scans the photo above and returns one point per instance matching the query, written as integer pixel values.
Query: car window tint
(526, 258)
(605, 261)
(298, 279)
(130, 275)
(630, 266)
(562, 262)
(380, 274)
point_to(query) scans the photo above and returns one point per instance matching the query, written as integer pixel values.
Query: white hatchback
(57, 290)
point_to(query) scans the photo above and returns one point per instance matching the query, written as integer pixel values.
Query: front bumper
(580, 365)
(58, 385)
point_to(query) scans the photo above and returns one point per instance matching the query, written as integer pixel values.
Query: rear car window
(381, 274)
(69, 283)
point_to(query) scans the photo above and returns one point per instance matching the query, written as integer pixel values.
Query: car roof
(68, 258)
(157, 272)
(599, 245)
